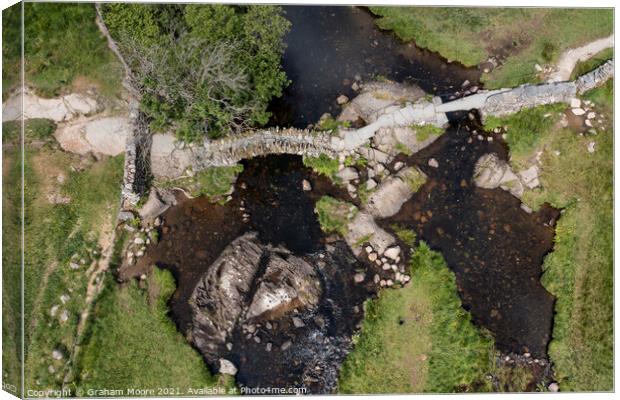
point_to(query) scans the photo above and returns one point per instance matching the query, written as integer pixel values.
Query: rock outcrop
(362, 229)
(394, 192)
(169, 158)
(273, 318)
(249, 282)
(398, 139)
(105, 135)
(59, 109)
(378, 98)
(491, 172)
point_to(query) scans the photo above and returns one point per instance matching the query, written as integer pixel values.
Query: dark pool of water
(196, 231)
(494, 247)
(328, 46)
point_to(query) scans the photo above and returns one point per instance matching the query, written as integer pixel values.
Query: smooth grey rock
(393, 192)
(392, 252)
(227, 367)
(348, 174)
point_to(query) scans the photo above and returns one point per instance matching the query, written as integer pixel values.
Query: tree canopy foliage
(202, 69)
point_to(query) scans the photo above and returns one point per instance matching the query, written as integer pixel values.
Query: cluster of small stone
(393, 272)
(142, 237)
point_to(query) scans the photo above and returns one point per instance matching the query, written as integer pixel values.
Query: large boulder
(492, 172)
(394, 192)
(378, 98)
(154, 206)
(363, 228)
(286, 284)
(249, 282)
(399, 139)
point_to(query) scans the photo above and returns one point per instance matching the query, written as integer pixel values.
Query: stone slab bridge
(493, 102)
(170, 159)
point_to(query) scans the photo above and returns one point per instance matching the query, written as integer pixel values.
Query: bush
(408, 236)
(334, 215)
(203, 69)
(323, 164)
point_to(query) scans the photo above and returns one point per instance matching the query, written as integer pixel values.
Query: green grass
(471, 35)
(11, 48)
(357, 161)
(418, 338)
(34, 129)
(215, 182)
(424, 132)
(526, 129)
(579, 272)
(591, 64)
(55, 235)
(323, 164)
(11, 268)
(364, 194)
(401, 148)
(62, 44)
(334, 215)
(333, 125)
(133, 342)
(603, 97)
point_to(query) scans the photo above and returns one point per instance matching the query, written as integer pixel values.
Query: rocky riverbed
(262, 292)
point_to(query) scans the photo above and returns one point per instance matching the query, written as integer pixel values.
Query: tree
(202, 69)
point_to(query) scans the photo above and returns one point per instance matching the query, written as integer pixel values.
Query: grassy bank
(64, 50)
(11, 264)
(591, 64)
(528, 36)
(11, 48)
(70, 203)
(579, 272)
(526, 130)
(133, 343)
(418, 338)
(58, 238)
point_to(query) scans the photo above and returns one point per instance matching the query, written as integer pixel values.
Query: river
(494, 247)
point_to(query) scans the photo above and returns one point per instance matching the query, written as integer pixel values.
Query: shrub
(203, 69)
(333, 214)
(323, 164)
